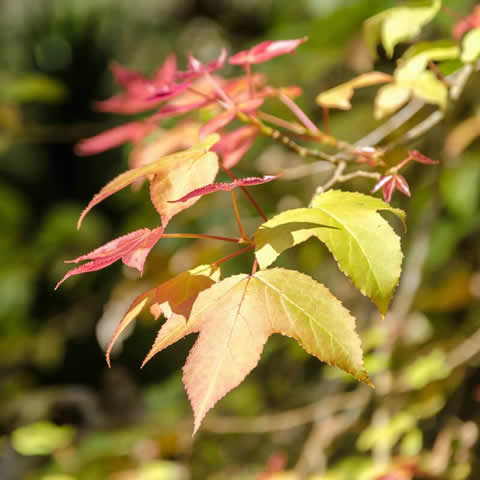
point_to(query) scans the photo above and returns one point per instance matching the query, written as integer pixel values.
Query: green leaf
(415, 60)
(471, 46)
(399, 24)
(41, 438)
(236, 316)
(389, 99)
(363, 243)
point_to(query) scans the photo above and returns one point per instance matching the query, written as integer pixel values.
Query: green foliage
(364, 245)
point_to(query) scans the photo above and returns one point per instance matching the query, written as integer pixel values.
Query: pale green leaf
(471, 46)
(389, 99)
(430, 89)
(399, 24)
(340, 96)
(41, 438)
(362, 242)
(415, 60)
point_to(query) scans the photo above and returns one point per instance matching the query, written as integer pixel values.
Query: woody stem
(203, 236)
(232, 255)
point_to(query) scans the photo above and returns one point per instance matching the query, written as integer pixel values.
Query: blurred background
(65, 416)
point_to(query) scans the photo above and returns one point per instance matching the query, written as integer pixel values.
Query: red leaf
(225, 117)
(130, 132)
(226, 187)
(197, 68)
(402, 185)
(132, 249)
(420, 158)
(265, 51)
(233, 145)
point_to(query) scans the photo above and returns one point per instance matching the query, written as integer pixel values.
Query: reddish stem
(254, 267)
(202, 236)
(298, 112)
(237, 216)
(247, 193)
(233, 255)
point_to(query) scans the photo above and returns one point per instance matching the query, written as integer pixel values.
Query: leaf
(364, 245)
(166, 169)
(132, 249)
(173, 299)
(340, 96)
(41, 438)
(471, 46)
(34, 87)
(399, 24)
(389, 99)
(412, 71)
(226, 187)
(265, 51)
(236, 316)
(179, 177)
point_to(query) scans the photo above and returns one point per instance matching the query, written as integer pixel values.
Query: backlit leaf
(471, 46)
(236, 316)
(226, 187)
(340, 96)
(167, 170)
(389, 99)
(399, 24)
(173, 299)
(363, 243)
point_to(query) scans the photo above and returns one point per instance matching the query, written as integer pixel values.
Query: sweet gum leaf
(236, 316)
(364, 245)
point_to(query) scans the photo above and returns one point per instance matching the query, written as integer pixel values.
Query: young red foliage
(226, 187)
(265, 51)
(132, 249)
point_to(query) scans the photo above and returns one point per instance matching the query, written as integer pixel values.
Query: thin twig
(233, 255)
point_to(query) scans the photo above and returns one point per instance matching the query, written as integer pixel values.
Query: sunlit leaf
(399, 24)
(226, 187)
(362, 242)
(173, 299)
(340, 96)
(471, 46)
(173, 174)
(236, 316)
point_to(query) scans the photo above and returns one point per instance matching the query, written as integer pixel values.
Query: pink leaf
(226, 187)
(233, 145)
(132, 249)
(165, 74)
(218, 122)
(197, 68)
(418, 157)
(130, 132)
(265, 51)
(402, 185)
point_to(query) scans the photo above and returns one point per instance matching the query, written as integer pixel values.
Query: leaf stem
(298, 112)
(326, 120)
(204, 236)
(237, 216)
(232, 255)
(247, 194)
